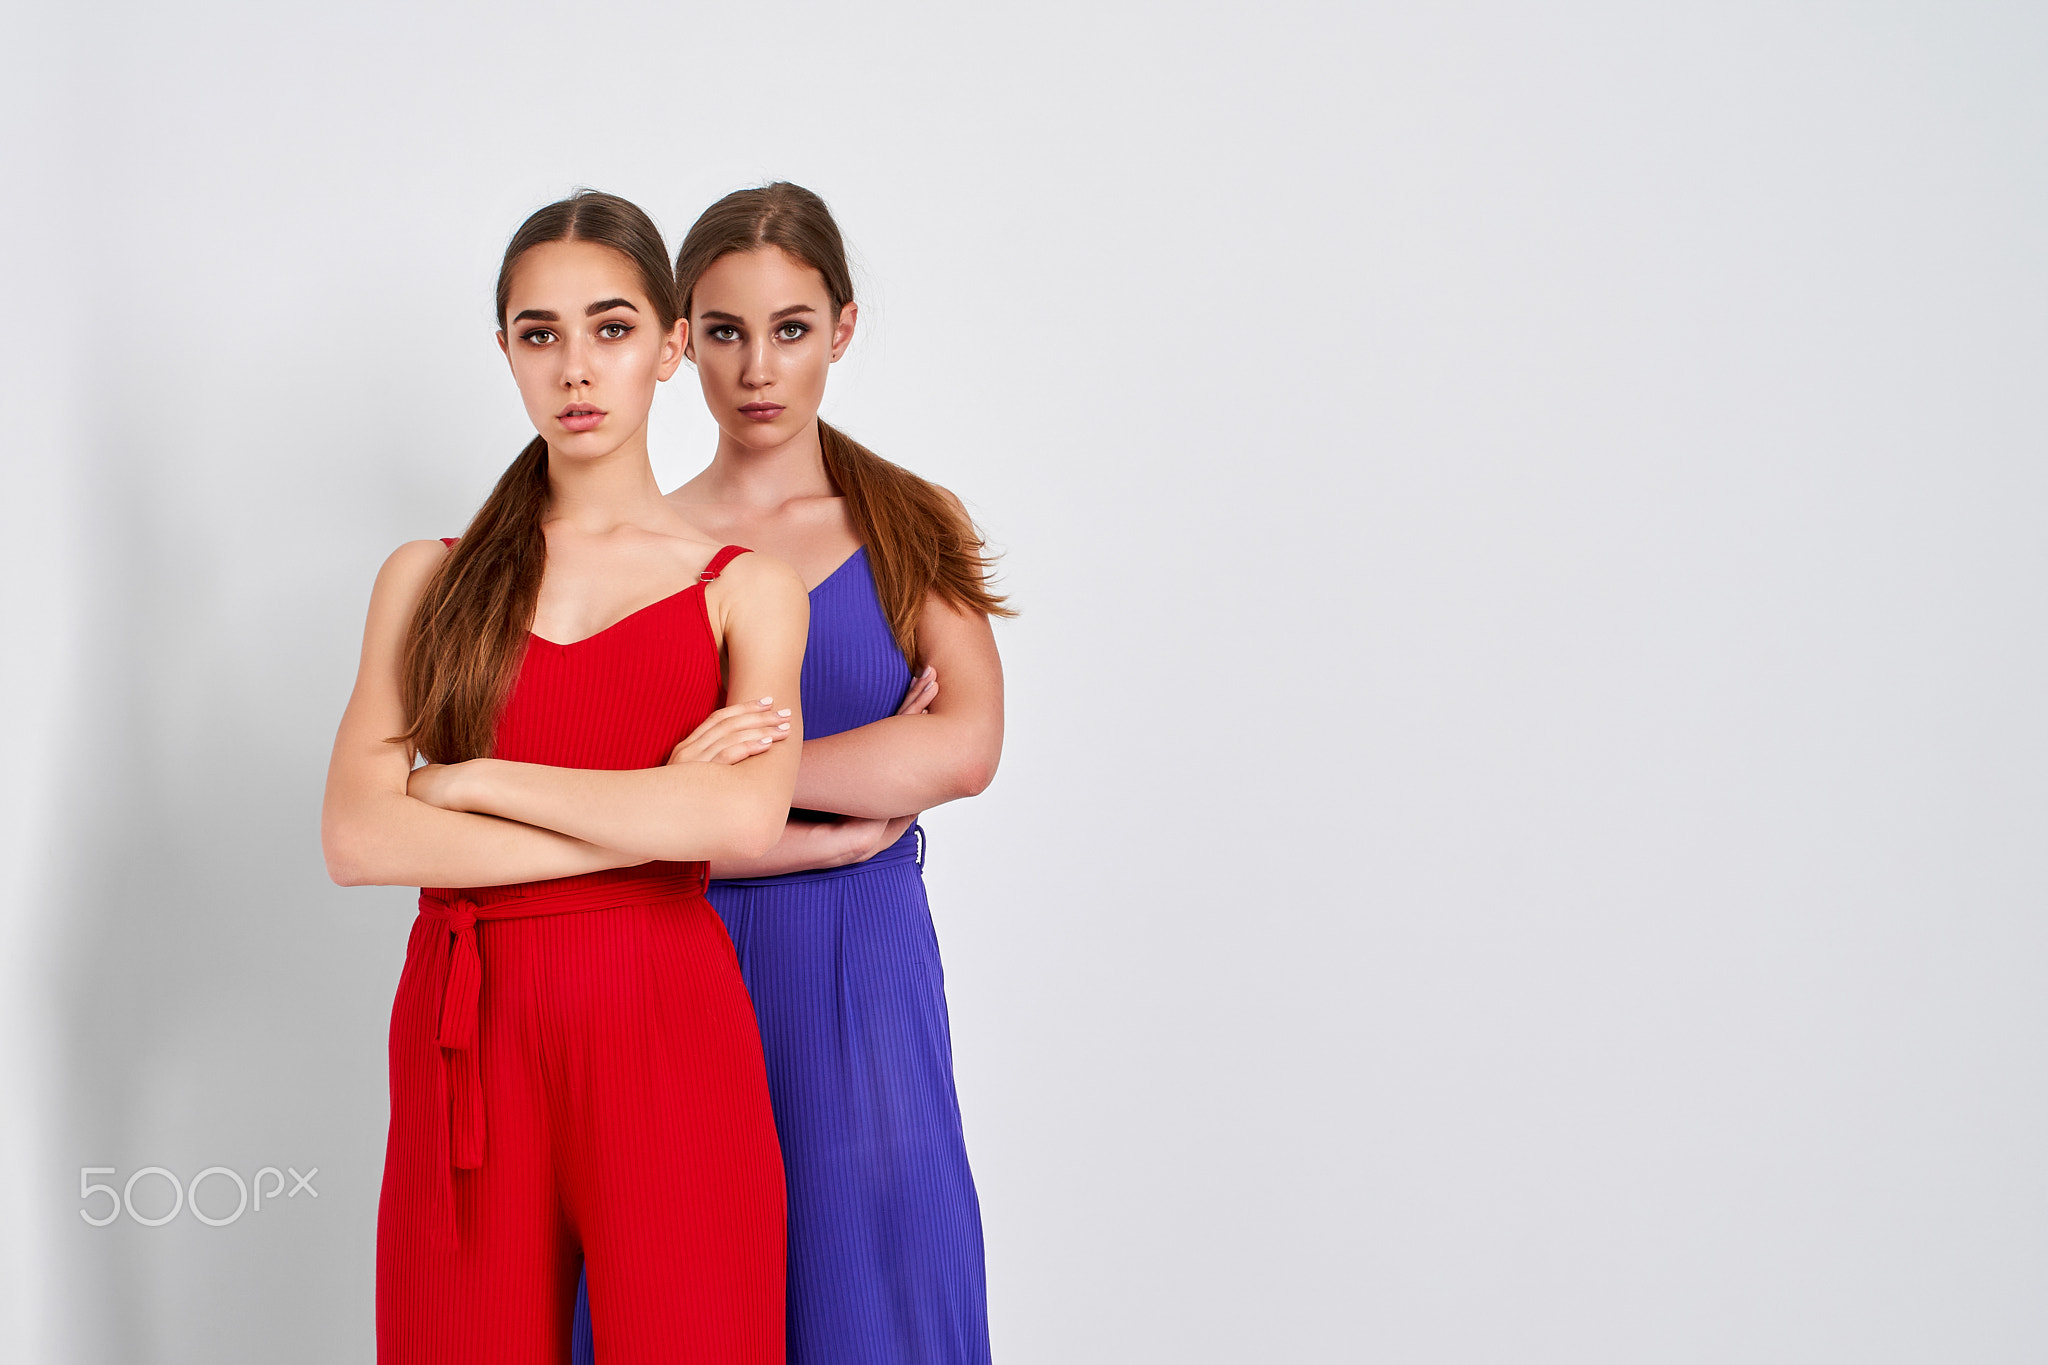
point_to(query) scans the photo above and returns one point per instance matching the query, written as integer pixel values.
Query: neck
(770, 477)
(600, 492)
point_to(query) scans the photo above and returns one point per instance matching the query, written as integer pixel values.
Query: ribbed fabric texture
(576, 1076)
(885, 1249)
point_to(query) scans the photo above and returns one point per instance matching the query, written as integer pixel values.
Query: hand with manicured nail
(734, 733)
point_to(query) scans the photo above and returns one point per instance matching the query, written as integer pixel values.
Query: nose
(576, 358)
(757, 371)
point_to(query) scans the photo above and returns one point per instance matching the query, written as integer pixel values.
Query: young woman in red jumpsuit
(576, 1077)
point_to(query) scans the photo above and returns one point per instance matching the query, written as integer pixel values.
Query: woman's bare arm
(371, 831)
(910, 763)
(681, 811)
(808, 844)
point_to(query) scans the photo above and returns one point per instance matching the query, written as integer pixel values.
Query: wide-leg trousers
(602, 1103)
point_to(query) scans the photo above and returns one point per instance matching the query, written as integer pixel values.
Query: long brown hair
(918, 540)
(469, 632)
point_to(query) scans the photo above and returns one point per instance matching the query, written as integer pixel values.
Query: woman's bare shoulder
(757, 574)
(411, 564)
(403, 577)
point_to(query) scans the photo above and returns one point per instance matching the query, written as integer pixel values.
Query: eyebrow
(550, 315)
(777, 316)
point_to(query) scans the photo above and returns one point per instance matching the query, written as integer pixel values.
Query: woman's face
(586, 347)
(762, 333)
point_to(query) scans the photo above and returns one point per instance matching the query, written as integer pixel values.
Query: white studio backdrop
(1521, 836)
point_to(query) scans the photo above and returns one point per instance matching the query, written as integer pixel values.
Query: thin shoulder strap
(720, 560)
(450, 540)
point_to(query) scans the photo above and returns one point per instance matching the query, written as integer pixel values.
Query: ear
(842, 335)
(673, 348)
(502, 346)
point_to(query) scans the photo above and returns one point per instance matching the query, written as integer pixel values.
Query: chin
(767, 435)
(584, 445)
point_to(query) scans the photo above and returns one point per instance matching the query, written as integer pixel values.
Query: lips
(580, 416)
(762, 412)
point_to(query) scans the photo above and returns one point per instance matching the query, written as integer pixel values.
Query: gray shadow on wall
(220, 1004)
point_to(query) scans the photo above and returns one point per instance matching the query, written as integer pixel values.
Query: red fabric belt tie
(462, 971)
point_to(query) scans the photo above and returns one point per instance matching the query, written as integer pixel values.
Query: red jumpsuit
(576, 1075)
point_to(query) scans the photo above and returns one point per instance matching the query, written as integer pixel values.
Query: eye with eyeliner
(787, 331)
(608, 331)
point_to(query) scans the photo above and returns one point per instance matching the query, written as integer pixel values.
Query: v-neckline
(858, 551)
(638, 611)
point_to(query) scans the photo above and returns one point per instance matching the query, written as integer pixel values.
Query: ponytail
(919, 542)
(468, 633)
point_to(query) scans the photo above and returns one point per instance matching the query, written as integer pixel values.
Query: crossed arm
(488, 822)
(914, 762)
(943, 744)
